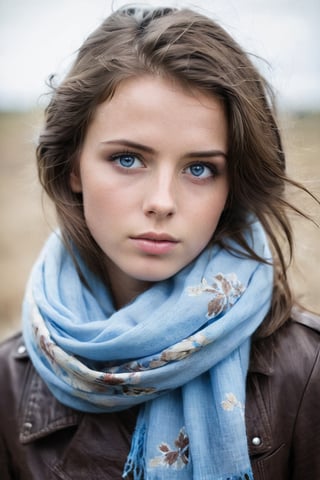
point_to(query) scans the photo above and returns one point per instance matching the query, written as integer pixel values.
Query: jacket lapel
(40, 413)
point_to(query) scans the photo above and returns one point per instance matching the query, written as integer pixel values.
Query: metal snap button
(256, 441)
(21, 350)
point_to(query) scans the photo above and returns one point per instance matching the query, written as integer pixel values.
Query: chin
(154, 275)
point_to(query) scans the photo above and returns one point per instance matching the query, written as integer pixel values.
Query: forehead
(152, 106)
(148, 87)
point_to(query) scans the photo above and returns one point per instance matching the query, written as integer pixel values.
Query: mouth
(156, 237)
(155, 243)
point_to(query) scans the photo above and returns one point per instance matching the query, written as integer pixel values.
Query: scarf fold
(180, 349)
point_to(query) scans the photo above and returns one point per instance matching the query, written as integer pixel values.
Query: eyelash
(117, 156)
(213, 168)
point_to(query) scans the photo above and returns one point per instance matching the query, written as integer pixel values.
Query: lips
(156, 237)
(154, 243)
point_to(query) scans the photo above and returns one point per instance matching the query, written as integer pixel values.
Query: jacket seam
(24, 393)
(304, 391)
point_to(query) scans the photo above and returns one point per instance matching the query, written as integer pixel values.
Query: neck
(123, 288)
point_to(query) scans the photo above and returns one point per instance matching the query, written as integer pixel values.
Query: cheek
(207, 218)
(206, 225)
(212, 206)
(96, 190)
(103, 204)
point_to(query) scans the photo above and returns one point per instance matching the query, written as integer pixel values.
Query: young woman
(160, 340)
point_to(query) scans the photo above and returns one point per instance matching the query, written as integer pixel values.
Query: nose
(160, 196)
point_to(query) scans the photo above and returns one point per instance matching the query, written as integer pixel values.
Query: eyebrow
(147, 149)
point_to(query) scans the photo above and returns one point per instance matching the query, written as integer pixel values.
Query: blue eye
(127, 160)
(201, 170)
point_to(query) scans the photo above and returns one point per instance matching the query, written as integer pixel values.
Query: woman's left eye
(201, 170)
(127, 160)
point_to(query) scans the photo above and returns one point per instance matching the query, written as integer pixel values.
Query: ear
(75, 181)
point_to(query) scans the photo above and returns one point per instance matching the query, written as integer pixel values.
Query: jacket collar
(262, 357)
(40, 413)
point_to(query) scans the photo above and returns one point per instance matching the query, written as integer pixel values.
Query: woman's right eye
(126, 160)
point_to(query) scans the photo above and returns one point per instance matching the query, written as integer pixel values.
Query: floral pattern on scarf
(224, 290)
(177, 457)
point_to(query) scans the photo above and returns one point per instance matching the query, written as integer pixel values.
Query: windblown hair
(197, 53)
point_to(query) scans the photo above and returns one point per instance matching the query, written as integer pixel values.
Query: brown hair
(199, 54)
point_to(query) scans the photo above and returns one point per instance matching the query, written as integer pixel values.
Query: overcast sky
(38, 38)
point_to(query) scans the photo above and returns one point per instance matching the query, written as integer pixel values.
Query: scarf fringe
(135, 464)
(242, 476)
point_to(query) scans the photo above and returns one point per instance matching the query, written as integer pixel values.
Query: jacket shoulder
(14, 363)
(11, 346)
(306, 318)
(299, 335)
(12, 351)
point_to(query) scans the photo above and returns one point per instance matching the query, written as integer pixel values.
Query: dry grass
(302, 143)
(23, 224)
(25, 227)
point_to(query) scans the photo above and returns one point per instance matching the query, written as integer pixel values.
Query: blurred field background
(26, 219)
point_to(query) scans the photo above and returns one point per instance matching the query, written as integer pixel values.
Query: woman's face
(153, 175)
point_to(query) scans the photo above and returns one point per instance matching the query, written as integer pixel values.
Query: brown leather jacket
(43, 440)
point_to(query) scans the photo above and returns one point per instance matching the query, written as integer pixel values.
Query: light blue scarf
(181, 349)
